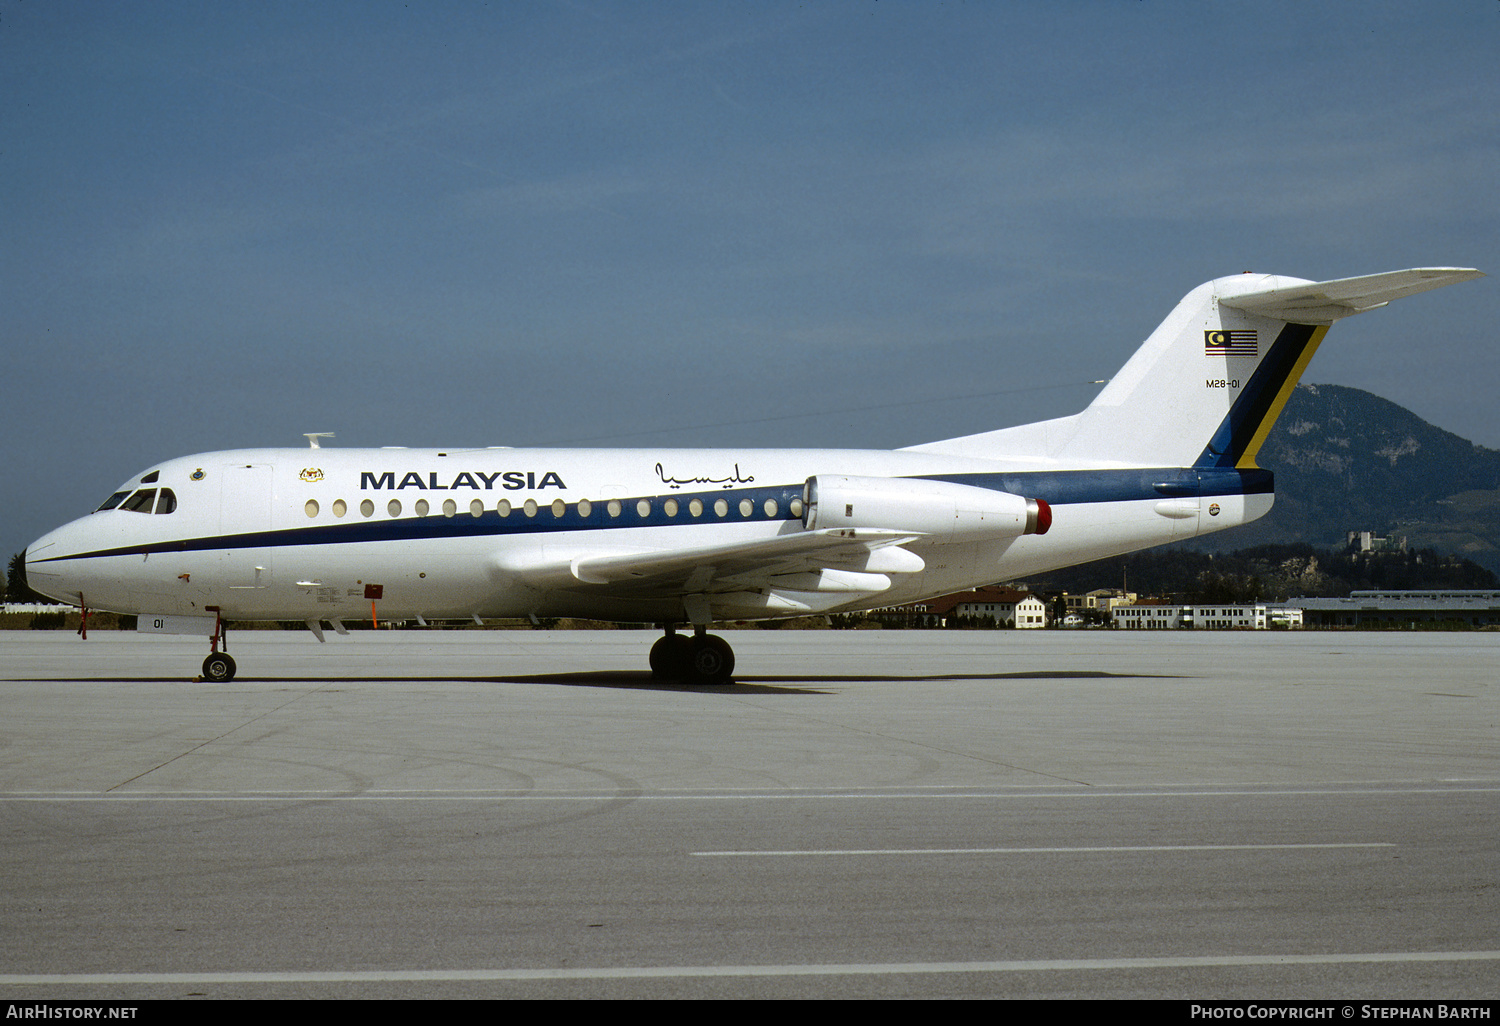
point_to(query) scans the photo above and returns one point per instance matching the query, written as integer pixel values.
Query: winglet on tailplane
(1206, 387)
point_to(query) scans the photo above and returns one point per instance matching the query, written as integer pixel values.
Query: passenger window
(141, 502)
(167, 502)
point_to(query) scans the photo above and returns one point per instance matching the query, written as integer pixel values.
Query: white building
(1210, 616)
(1007, 607)
(1150, 616)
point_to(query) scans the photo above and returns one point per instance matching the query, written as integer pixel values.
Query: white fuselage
(398, 533)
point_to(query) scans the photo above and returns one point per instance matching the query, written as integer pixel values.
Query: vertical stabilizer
(1206, 388)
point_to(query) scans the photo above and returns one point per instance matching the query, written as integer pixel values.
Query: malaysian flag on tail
(1231, 343)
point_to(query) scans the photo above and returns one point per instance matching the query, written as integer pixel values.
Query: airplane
(689, 537)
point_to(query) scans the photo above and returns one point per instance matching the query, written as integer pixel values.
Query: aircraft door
(245, 512)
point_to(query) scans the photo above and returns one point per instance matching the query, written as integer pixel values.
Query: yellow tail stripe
(1247, 458)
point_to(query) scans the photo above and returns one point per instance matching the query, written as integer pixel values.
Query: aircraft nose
(45, 562)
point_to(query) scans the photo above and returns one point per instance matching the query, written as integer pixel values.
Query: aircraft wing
(858, 559)
(1326, 301)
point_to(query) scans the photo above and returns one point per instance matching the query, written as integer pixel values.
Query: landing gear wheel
(710, 660)
(218, 668)
(669, 657)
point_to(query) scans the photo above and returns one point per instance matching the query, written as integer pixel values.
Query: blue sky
(821, 223)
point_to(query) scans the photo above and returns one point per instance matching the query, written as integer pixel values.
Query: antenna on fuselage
(313, 436)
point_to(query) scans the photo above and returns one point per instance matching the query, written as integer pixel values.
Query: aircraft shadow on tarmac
(799, 684)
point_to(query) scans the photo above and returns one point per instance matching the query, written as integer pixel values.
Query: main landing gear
(218, 667)
(701, 659)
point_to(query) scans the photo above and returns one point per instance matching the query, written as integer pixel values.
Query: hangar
(1393, 608)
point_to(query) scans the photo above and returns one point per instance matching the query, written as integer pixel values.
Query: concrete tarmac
(861, 814)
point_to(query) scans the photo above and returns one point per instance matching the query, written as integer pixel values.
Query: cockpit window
(112, 501)
(151, 477)
(167, 502)
(141, 502)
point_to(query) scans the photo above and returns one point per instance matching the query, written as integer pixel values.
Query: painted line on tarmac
(667, 972)
(1109, 850)
(500, 795)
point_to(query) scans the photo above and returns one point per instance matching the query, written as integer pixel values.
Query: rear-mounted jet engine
(941, 510)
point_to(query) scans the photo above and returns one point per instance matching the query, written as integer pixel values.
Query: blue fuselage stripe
(1068, 487)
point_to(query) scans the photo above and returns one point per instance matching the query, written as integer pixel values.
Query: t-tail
(1206, 388)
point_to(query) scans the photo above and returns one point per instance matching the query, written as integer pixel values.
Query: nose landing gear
(219, 666)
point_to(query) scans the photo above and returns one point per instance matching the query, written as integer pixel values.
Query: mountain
(1346, 460)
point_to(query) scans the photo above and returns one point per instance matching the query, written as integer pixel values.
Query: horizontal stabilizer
(1324, 302)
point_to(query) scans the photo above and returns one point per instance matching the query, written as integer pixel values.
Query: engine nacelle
(939, 509)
